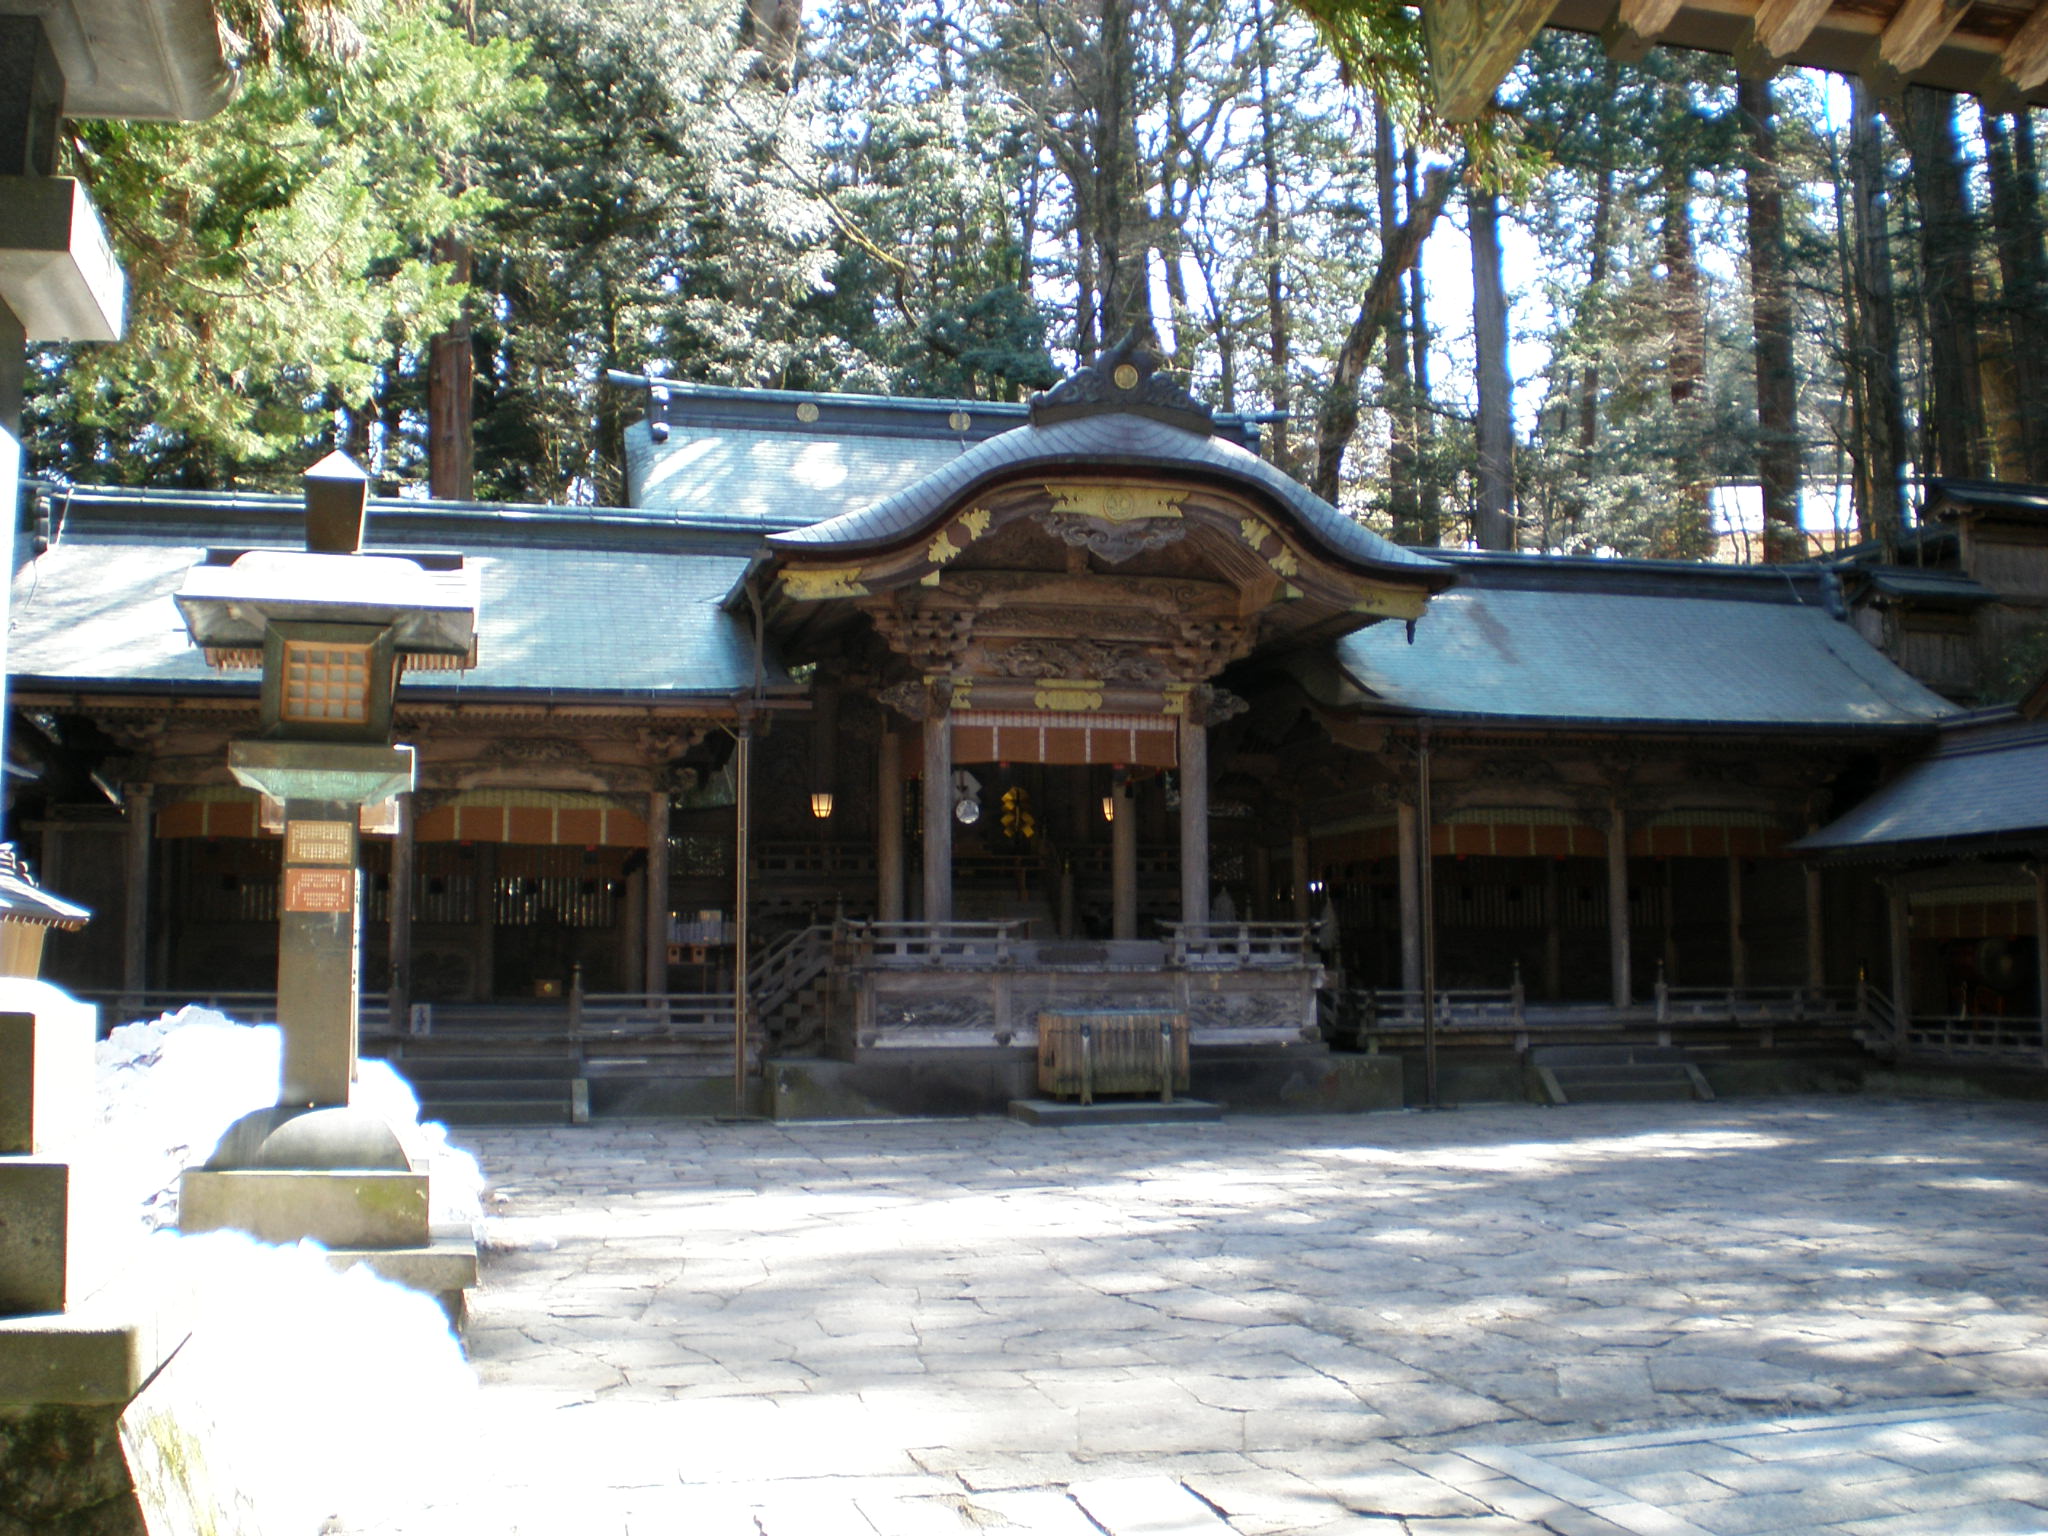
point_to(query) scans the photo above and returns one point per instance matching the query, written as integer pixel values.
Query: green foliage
(277, 257)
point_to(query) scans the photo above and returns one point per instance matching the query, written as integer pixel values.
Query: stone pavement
(1810, 1315)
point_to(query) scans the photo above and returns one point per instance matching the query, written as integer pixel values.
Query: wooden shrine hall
(875, 729)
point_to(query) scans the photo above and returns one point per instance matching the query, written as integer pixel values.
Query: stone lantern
(332, 629)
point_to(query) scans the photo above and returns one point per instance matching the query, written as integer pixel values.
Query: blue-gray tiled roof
(95, 610)
(1102, 442)
(1982, 782)
(1618, 642)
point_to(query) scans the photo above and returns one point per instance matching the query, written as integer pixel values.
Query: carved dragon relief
(1115, 542)
(1074, 658)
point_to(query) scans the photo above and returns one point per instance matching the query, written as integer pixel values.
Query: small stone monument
(331, 628)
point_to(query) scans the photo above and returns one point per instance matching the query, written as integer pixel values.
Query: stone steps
(1617, 1074)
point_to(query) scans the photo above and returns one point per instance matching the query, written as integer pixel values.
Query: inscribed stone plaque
(319, 890)
(319, 842)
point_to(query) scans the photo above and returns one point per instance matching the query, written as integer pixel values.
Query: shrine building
(875, 729)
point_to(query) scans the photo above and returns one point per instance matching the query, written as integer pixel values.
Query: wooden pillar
(485, 921)
(1194, 815)
(1816, 933)
(2041, 944)
(1123, 865)
(889, 826)
(1553, 932)
(1259, 908)
(1617, 905)
(399, 912)
(1900, 913)
(1738, 952)
(654, 967)
(1412, 845)
(1297, 853)
(938, 815)
(136, 804)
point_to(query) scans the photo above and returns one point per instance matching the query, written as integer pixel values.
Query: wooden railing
(1754, 1004)
(1468, 1008)
(978, 946)
(1961, 1037)
(788, 964)
(1237, 946)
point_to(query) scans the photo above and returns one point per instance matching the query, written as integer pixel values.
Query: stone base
(1054, 1115)
(342, 1208)
(1254, 1079)
(445, 1268)
(63, 1470)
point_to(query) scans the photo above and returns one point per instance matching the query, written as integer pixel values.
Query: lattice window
(326, 683)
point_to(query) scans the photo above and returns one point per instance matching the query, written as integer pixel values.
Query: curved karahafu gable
(1114, 498)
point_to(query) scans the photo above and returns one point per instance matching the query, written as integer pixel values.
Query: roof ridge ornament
(1124, 378)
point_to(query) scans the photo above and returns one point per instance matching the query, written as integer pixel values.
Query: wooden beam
(1916, 29)
(2024, 64)
(1636, 26)
(1472, 46)
(1776, 32)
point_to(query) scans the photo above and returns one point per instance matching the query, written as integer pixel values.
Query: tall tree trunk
(1493, 506)
(1278, 329)
(1601, 238)
(1429, 528)
(1337, 420)
(1954, 429)
(1770, 294)
(451, 392)
(1686, 313)
(1882, 429)
(2023, 281)
(1121, 235)
(1402, 502)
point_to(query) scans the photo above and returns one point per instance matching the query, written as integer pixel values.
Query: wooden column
(889, 826)
(1816, 933)
(1902, 962)
(1617, 905)
(654, 967)
(938, 815)
(137, 806)
(1553, 932)
(1123, 866)
(399, 912)
(1738, 952)
(1411, 844)
(1259, 908)
(1297, 853)
(485, 922)
(2041, 945)
(1194, 814)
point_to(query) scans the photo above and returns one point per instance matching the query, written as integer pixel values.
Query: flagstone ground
(1784, 1315)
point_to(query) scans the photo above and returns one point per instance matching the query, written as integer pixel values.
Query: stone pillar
(1617, 905)
(1123, 866)
(1412, 845)
(318, 918)
(938, 815)
(654, 969)
(1816, 934)
(403, 849)
(137, 805)
(1738, 952)
(1194, 814)
(1297, 852)
(889, 825)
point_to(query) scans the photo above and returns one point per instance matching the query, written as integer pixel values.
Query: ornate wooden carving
(1115, 542)
(1124, 378)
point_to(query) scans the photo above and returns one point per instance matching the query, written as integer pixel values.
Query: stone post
(1194, 813)
(317, 954)
(938, 814)
(889, 825)
(655, 965)
(1617, 904)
